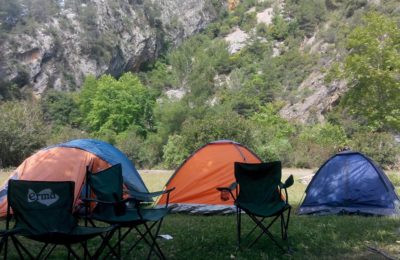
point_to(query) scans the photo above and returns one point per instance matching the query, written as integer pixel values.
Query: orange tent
(196, 180)
(68, 162)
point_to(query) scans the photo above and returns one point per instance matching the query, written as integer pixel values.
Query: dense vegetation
(233, 96)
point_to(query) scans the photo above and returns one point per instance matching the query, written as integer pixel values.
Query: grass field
(329, 237)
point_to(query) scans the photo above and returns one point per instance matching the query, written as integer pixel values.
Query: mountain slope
(57, 43)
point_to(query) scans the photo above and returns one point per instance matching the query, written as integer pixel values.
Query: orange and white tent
(197, 179)
(68, 162)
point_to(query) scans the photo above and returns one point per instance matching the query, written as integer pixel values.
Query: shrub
(381, 147)
(59, 107)
(22, 131)
(272, 133)
(129, 142)
(315, 144)
(175, 152)
(151, 152)
(62, 134)
(216, 125)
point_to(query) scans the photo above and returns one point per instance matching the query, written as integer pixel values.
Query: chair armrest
(225, 191)
(230, 188)
(148, 195)
(289, 182)
(105, 202)
(85, 200)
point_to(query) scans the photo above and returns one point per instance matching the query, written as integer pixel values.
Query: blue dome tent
(351, 183)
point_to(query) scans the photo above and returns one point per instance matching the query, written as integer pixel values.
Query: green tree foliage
(169, 117)
(372, 69)
(22, 131)
(130, 143)
(60, 107)
(158, 76)
(308, 13)
(9, 91)
(314, 144)
(272, 133)
(381, 147)
(114, 105)
(194, 65)
(216, 125)
(175, 151)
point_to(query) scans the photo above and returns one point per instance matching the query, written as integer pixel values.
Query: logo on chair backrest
(45, 197)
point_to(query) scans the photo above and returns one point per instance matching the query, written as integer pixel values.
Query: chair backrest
(107, 185)
(258, 182)
(41, 207)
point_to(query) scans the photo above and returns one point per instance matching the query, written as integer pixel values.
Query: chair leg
(50, 251)
(266, 231)
(143, 237)
(238, 225)
(71, 252)
(17, 246)
(262, 232)
(4, 242)
(86, 252)
(119, 244)
(153, 238)
(42, 250)
(114, 247)
(103, 244)
(285, 224)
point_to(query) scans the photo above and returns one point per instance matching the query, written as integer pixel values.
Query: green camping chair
(260, 196)
(131, 213)
(43, 212)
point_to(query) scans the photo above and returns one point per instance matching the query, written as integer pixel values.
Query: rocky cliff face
(95, 37)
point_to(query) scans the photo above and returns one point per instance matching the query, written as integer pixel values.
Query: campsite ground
(329, 237)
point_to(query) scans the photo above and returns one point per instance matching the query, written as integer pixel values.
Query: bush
(315, 144)
(59, 107)
(22, 131)
(129, 142)
(175, 152)
(151, 151)
(381, 147)
(216, 125)
(62, 134)
(272, 133)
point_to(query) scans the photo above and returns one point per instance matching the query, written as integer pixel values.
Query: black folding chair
(130, 213)
(43, 212)
(259, 194)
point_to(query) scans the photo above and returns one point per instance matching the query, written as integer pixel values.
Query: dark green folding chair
(259, 194)
(43, 212)
(130, 213)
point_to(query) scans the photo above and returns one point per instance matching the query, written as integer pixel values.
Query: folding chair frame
(20, 248)
(147, 236)
(259, 221)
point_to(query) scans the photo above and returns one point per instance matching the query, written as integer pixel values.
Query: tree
(109, 104)
(59, 107)
(271, 132)
(216, 125)
(372, 69)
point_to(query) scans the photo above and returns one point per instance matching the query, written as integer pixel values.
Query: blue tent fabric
(350, 182)
(112, 155)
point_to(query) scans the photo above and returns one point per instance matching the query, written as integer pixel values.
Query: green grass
(214, 237)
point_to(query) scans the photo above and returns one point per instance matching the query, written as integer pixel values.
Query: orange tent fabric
(211, 166)
(57, 164)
